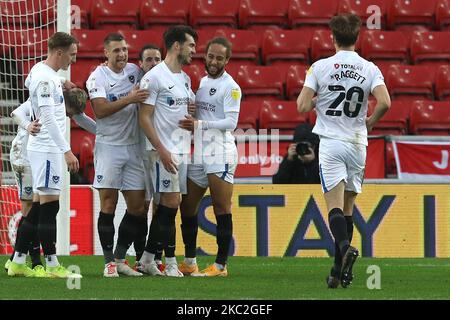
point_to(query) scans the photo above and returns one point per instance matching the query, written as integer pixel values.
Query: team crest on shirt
(55, 179)
(170, 101)
(99, 178)
(212, 91)
(131, 78)
(28, 190)
(61, 99)
(166, 183)
(186, 85)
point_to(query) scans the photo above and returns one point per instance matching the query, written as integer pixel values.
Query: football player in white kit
(170, 94)
(117, 155)
(45, 154)
(149, 56)
(215, 157)
(343, 84)
(75, 100)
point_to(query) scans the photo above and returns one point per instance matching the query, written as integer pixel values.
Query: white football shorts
(223, 168)
(46, 169)
(118, 167)
(22, 174)
(164, 181)
(341, 160)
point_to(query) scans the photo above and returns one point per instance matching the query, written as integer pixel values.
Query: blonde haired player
(75, 102)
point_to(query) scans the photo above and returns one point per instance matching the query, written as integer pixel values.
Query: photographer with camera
(301, 165)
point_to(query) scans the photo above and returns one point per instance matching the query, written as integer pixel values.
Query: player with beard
(170, 94)
(215, 158)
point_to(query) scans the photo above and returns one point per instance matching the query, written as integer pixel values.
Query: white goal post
(25, 26)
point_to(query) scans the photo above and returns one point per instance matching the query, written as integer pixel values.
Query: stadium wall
(291, 220)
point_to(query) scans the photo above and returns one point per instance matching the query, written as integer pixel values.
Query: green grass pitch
(249, 278)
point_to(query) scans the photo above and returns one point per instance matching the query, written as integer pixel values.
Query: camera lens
(302, 148)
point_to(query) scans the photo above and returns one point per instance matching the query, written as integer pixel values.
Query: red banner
(422, 159)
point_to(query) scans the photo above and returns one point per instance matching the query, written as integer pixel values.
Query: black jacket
(297, 172)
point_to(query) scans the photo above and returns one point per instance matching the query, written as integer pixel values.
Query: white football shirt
(343, 84)
(45, 89)
(213, 98)
(120, 128)
(170, 93)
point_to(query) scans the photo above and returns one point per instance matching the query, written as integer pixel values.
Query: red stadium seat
(384, 46)
(249, 114)
(430, 118)
(167, 12)
(443, 83)
(263, 13)
(410, 82)
(214, 13)
(27, 43)
(196, 73)
(322, 45)
(233, 67)
(430, 47)
(85, 9)
(22, 13)
(80, 70)
(115, 13)
(295, 79)
(395, 121)
(90, 43)
(281, 115)
(360, 7)
(258, 82)
(307, 13)
(289, 46)
(411, 15)
(136, 39)
(443, 14)
(245, 44)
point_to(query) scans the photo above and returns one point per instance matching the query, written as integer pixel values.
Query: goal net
(25, 26)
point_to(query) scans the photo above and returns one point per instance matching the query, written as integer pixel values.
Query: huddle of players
(143, 142)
